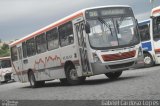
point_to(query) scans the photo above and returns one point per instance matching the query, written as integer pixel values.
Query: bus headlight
(157, 51)
(95, 57)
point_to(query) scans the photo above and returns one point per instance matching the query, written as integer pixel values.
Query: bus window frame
(13, 55)
(24, 49)
(42, 41)
(59, 31)
(33, 53)
(52, 33)
(148, 35)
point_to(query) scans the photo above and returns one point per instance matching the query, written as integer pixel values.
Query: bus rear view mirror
(87, 28)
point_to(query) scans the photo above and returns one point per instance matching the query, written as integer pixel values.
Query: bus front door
(20, 63)
(84, 61)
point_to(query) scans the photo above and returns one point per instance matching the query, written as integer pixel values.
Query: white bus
(150, 35)
(5, 69)
(155, 32)
(147, 43)
(86, 43)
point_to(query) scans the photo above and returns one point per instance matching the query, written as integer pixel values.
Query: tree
(5, 46)
(4, 50)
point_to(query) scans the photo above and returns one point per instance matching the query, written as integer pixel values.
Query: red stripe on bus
(43, 62)
(157, 50)
(49, 28)
(118, 56)
(47, 59)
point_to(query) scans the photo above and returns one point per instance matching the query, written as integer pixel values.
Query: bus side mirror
(87, 28)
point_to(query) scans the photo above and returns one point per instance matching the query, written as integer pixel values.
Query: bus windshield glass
(5, 63)
(112, 28)
(156, 28)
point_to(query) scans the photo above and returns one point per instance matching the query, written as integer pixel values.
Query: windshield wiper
(104, 22)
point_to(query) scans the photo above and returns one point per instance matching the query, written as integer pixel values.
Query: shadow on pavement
(5, 83)
(102, 81)
(87, 82)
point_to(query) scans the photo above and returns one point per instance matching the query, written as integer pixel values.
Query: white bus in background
(147, 43)
(150, 36)
(86, 43)
(153, 38)
(5, 69)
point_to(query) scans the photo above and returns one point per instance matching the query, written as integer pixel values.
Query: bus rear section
(5, 69)
(92, 41)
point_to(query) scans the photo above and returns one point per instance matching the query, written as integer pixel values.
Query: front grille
(7, 77)
(123, 65)
(118, 56)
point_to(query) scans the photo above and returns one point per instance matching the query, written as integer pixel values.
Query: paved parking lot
(133, 84)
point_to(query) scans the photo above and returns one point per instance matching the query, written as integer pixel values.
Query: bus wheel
(72, 76)
(63, 81)
(114, 75)
(33, 82)
(148, 60)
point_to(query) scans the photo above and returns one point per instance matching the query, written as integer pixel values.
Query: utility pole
(152, 1)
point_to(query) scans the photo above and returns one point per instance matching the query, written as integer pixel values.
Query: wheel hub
(147, 60)
(73, 74)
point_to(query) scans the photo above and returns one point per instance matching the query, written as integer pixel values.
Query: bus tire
(114, 75)
(72, 76)
(63, 81)
(148, 60)
(33, 82)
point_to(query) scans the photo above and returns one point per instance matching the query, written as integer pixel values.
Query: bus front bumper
(102, 68)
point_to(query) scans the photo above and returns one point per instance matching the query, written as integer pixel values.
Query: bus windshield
(113, 31)
(156, 28)
(5, 63)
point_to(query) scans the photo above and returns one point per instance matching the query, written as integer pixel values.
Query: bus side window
(31, 47)
(14, 54)
(24, 50)
(52, 39)
(144, 32)
(6, 63)
(66, 34)
(41, 43)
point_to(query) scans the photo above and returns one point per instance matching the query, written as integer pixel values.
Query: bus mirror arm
(87, 28)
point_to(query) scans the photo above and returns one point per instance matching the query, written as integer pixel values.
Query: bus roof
(59, 22)
(155, 11)
(144, 22)
(4, 58)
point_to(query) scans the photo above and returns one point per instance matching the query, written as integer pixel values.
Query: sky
(18, 18)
